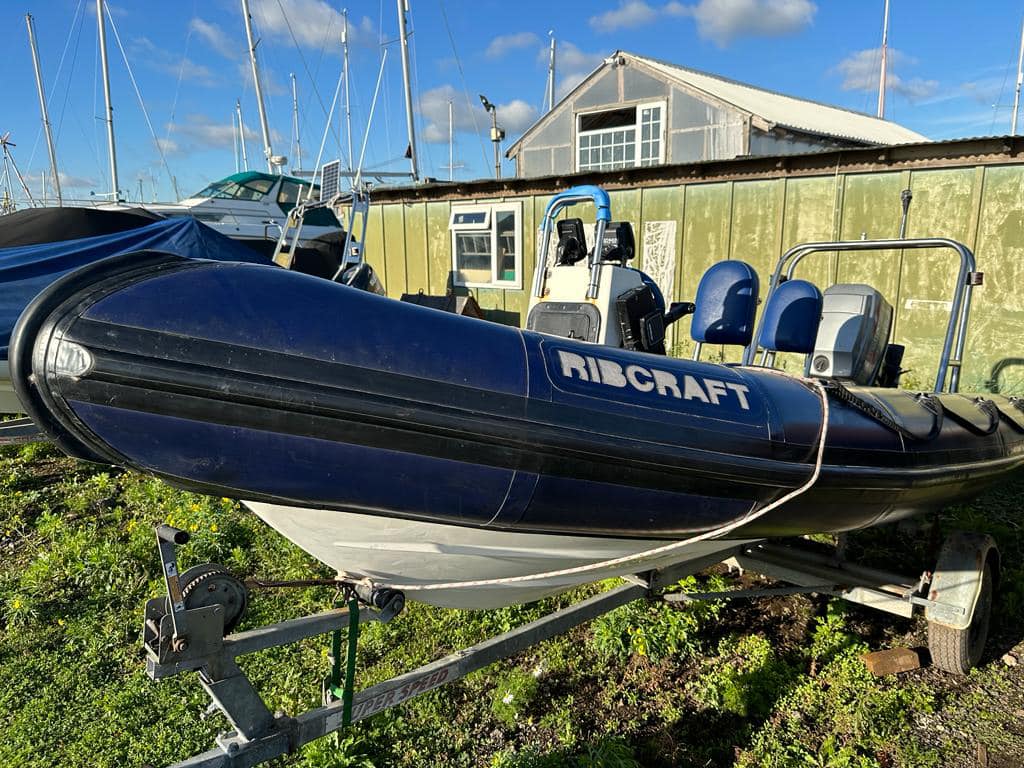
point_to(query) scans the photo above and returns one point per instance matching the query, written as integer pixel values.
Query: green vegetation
(774, 683)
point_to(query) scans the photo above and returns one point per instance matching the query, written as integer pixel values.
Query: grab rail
(951, 359)
(588, 193)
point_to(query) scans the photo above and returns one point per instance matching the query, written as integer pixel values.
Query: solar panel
(330, 180)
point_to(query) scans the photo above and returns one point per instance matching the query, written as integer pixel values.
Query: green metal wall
(755, 220)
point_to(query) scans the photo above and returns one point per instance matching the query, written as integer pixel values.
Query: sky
(952, 74)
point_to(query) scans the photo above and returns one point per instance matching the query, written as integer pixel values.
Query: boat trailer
(188, 630)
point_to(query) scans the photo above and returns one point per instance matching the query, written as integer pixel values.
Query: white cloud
(573, 65)
(631, 13)
(67, 182)
(204, 133)
(514, 116)
(216, 38)
(861, 71)
(502, 44)
(723, 21)
(272, 86)
(571, 58)
(164, 61)
(312, 22)
(169, 146)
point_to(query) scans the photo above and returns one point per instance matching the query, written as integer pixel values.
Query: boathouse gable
(634, 111)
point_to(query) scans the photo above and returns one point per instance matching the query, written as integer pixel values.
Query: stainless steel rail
(951, 358)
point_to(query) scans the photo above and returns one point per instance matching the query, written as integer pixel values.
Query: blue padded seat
(791, 318)
(726, 301)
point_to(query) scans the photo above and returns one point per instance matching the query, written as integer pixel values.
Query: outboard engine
(853, 337)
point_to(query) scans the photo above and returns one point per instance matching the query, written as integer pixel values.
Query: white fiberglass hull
(418, 555)
(9, 402)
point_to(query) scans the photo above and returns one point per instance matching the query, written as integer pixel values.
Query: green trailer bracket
(338, 688)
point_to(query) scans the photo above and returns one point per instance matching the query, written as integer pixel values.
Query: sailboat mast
(348, 102)
(42, 106)
(1020, 79)
(234, 140)
(451, 143)
(241, 134)
(295, 125)
(885, 55)
(102, 27)
(264, 127)
(403, 8)
(551, 73)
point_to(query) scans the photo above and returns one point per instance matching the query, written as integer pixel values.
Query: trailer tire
(958, 650)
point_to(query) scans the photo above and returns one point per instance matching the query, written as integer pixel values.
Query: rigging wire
(999, 97)
(418, 116)
(384, 83)
(95, 111)
(181, 72)
(305, 66)
(142, 104)
(56, 77)
(90, 143)
(316, 73)
(74, 57)
(465, 89)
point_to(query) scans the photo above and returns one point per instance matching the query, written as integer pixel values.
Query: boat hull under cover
(261, 384)
(9, 402)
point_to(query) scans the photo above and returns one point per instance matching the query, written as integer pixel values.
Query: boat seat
(791, 319)
(725, 305)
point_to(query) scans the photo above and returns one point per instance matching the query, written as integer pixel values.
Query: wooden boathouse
(478, 238)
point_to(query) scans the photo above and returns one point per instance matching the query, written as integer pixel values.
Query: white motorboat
(253, 207)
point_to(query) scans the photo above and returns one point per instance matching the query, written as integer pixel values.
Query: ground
(767, 683)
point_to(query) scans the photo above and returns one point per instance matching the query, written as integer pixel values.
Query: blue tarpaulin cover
(26, 270)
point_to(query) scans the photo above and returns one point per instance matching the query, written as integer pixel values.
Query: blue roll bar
(587, 193)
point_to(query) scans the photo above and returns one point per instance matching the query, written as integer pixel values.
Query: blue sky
(953, 72)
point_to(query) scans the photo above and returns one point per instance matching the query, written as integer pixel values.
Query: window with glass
(252, 189)
(620, 138)
(487, 245)
(292, 192)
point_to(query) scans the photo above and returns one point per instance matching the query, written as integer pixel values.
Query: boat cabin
(253, 207)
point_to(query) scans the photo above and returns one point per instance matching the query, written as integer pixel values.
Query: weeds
(78, 560)
(656, 629)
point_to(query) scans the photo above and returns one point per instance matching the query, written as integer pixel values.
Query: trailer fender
(956, 582)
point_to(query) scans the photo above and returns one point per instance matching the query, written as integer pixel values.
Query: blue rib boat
(417, 447)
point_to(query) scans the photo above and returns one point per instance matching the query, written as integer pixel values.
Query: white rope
(666, 548)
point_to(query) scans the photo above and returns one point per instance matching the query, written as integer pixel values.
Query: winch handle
(171, 534)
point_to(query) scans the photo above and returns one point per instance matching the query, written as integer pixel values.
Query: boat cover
(34, 226)
(26, 270)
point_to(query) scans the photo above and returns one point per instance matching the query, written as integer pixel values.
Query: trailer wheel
(959, 650)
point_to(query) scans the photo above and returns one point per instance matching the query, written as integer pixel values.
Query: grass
(774, 683)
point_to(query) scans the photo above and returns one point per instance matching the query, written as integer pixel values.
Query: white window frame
(637, 132)
(489, 227)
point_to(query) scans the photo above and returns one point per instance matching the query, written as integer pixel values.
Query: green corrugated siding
(439, 249)
(394, 248)
(416, 251)
(755, 220)
(995, 343)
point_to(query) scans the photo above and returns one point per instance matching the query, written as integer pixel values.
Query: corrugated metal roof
(786, 111)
